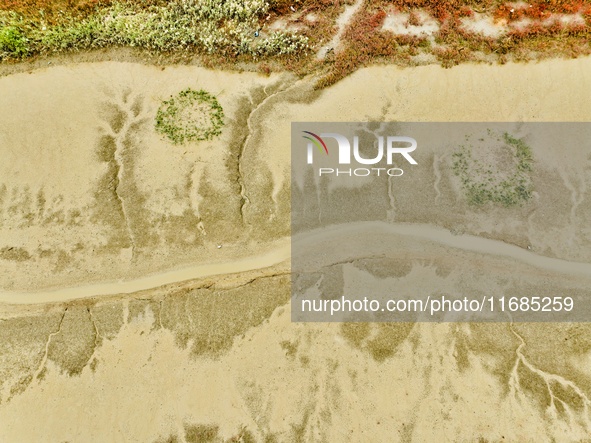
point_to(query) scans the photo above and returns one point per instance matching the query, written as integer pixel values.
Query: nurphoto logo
(386, 147)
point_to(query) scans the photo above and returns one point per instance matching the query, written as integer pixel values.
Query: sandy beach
(165, 294)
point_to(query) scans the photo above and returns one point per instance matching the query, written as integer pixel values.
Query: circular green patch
(498, 172)
(190, 116)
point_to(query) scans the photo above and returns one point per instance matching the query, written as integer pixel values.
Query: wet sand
(218, 358)
(339, 234)
(67, 235)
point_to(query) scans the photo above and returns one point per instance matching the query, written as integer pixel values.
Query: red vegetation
(541, 10)
(51, 10)
(284, 7)
(465, 11)
(440, 9)
(443, 10)
(363, 42)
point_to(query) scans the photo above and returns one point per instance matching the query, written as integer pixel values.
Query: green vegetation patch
(190, 116)
(227, 28)
(500, 174)
(13, 40)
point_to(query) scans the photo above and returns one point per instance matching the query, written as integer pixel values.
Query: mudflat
(93, 194)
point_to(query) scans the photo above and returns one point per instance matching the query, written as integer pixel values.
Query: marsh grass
(233, 34)
(13, 38)
(225, 28)
(366, 42)
(190, 116)
(483, 182)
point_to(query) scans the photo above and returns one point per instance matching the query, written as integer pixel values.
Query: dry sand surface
(90, 192)
(204, 349)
